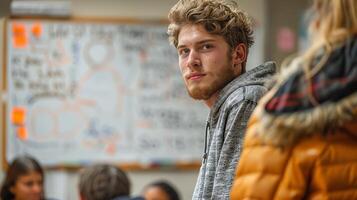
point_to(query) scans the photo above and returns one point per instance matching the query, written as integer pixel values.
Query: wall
(63, 184)
(283, 15)
(4, 7)
(153, 10)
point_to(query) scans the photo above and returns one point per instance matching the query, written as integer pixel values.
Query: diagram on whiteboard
(81, 92)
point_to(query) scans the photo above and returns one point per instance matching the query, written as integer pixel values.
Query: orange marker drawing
(111, 149)
(18, 115)
(145, 124)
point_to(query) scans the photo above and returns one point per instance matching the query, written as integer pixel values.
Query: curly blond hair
(217, 17)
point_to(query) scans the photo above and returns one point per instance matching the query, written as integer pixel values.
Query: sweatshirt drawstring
(205, 149)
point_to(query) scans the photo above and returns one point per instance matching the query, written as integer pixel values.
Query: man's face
(205, 61)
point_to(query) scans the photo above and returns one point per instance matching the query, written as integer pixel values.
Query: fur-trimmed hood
(296, 108)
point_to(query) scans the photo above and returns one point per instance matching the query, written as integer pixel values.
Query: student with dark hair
(160, 190)
(23, 180)
(104, 182)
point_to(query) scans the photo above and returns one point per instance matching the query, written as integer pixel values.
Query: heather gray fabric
(226, 126)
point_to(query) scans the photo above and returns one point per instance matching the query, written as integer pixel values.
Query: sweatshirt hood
(260, 75)
(299, 106)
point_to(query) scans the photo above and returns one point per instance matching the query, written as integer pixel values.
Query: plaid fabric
(336, 80)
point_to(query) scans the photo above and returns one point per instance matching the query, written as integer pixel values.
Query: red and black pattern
(335, 81)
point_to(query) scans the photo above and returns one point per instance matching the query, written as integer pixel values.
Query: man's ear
(239, 57)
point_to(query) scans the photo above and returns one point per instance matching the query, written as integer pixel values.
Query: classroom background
(279, 31)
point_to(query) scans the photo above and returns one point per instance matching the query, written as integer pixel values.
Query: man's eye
(206, 46)
(183, 52)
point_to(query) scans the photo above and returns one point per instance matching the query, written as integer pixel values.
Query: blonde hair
(335, 21)
(216, 16)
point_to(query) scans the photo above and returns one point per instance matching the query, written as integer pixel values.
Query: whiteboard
(82, 92)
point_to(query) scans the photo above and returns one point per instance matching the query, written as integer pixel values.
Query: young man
(212, 39)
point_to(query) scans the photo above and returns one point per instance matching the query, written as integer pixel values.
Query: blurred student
(301, 142)
(23, 180)
(160, 190)
(104, 182)
(212, 38)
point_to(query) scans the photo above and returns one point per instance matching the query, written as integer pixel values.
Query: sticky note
(22, 133)
(36, 30)
(19, 36)
(18, 115)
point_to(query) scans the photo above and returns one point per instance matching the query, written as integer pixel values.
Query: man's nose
(194, 59)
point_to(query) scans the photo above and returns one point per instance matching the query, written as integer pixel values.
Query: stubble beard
(206, 91)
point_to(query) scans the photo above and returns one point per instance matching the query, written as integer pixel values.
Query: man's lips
(194, 76)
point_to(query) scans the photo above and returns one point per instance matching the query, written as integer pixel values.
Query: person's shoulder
(250, 93)
(254, 92)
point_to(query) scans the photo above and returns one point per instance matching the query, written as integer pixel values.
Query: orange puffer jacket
(315, 168)
(299, 148)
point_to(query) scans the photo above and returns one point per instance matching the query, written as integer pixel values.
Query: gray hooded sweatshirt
(225, 128)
